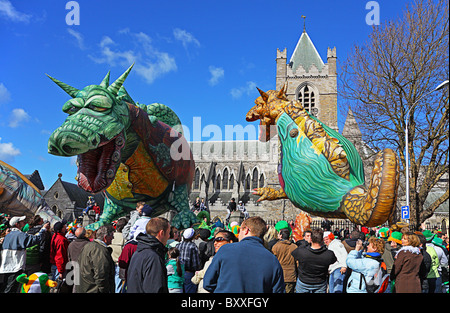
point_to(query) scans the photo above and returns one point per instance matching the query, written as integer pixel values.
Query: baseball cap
(16, 219)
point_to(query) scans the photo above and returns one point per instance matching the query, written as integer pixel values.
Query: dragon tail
(374, 205)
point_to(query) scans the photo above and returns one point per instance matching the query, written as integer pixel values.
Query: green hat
(396, 236)
(281, 225)
(428, 235)
(438, 241)
(384, 232)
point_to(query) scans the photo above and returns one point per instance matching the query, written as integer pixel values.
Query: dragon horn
(105, 81)
(263, 94)
(69, 89)
(114, 88)
(282, 93)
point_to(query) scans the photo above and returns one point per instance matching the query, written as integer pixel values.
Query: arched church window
(225, 179)
(261, 181)
(307, 98)
(247, 182)
(255, 178)
(218, 182)
(197, 179)
(231, 185)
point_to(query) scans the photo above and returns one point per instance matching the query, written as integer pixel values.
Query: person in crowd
(75, 247)
(96, 265)
(147, 271)
(117, 246)
(190, 257)
(407, 267)
(426, 262)
(175, 271)
(395, 240)
(338, 269)
(312, 265)
(203, 206)
(35, 254)
(241, 207)
(58, 251)
(306, 241)
(13, 253)
(205, 247)
(270, 237)
(97, 210)
(388, 257)
(439, 259)
(350, 242)
(196, 205)
(221, 237)
(230, 209)
(282, 250)
(366, 264)
(134, 215)
(233, 268)
(124, 259)
(141, 221)
(175, 237)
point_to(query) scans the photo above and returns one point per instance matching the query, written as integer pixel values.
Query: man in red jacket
(58, 250)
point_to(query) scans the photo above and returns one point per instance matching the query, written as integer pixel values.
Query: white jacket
(341, 254)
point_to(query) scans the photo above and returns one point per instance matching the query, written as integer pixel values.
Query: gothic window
(225, 179)
(231, 185)
(247, 182)
(218, 182)
(261, 181)
(197, 179)
(308, 100)
(255, 178)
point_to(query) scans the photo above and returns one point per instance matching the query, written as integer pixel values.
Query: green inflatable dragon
(130, 151)
(319, 170)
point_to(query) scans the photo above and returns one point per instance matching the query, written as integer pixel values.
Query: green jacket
(174, 281)
(434, 263)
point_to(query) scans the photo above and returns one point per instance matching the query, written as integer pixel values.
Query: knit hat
(328, 234)
(396, 236)
(146, 210)
(384, 232)
(188, 233)
(428, 234)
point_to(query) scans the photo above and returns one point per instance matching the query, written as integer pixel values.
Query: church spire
(304, 23)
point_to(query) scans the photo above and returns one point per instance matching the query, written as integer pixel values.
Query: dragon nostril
(67, 149)
(94, 142)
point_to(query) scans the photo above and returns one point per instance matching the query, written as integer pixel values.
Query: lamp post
(439, 87)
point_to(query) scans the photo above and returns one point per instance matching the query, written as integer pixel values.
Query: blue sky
(202, 58)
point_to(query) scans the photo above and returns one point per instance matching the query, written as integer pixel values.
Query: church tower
(310, 80)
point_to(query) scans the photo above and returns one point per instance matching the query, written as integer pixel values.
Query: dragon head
(267, 109)
(94, 130)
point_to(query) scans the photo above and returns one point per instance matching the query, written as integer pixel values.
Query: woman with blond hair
(407, 265)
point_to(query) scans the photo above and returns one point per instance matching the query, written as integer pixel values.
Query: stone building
(68, 200)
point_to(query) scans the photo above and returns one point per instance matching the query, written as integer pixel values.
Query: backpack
(379, 283)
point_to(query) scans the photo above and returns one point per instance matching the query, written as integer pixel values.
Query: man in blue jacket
(246, 266)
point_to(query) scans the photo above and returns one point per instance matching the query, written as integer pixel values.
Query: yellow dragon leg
(270, 194)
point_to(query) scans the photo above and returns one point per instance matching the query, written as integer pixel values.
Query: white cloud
(8, 151)
(150, 62)
(185, 37)
(5, 96)
(18, 116)
(78, 37)
(249, 87)
(9, 11)
(216, 74)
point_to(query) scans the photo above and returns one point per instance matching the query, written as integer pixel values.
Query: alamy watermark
(73, 16)
(373, 17)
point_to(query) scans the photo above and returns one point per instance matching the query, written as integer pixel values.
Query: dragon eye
(99, 103)
(73, 105)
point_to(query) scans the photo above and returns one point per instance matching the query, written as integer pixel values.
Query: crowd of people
(148, 255)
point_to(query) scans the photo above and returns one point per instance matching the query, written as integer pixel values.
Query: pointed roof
(305, 54)
(35, 178)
